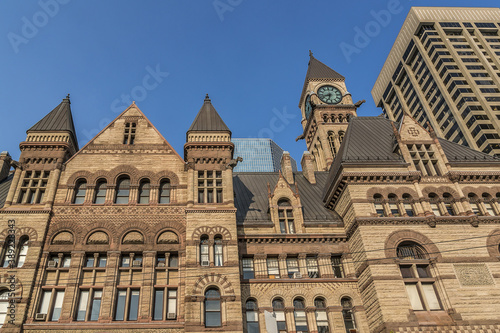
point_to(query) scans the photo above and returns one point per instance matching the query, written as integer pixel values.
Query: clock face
(308, 107)
(329, 94)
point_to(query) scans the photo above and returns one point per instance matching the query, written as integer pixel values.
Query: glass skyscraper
(259, 155)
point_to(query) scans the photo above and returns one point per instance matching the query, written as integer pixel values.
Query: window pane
(212, 319)
(423, 271)
(120, 305)
(134, 305)
(44, 307)
(415, 301)
(406, 271)
(172, 301)
(102, 261)
(253, 327)
(212, 305)
(56, 313)
(430, 295)
(158, 309)
(90, 262)
(96, 305)
(82, 306)
(66, 261)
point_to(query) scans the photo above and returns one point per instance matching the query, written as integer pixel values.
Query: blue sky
(250, 56)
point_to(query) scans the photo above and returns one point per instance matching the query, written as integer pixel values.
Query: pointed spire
(59, 119)
(208, 119)
(318, 70)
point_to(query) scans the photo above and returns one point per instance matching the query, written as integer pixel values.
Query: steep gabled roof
(4, 188)
(59, 119)
(208, 119)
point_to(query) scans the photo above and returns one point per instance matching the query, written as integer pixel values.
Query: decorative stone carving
(133, 237)
(64, 237)
(473, 274)
(98, 237)
(168, 237)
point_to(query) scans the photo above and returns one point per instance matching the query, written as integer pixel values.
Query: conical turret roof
(208, 119)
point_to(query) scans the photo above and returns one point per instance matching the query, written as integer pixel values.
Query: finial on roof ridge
(311, 54)
(207, 99)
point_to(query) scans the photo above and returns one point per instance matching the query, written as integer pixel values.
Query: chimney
(4, 165)
(286, 167)
(308, 167)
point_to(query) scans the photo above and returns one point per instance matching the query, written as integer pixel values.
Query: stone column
(303, 265)
(325, 267)
(148, 264)
(109, 290)
(282, 265)
(13, 187)
(311, 319)
(71, 291)
(53, 182)
(260, 266)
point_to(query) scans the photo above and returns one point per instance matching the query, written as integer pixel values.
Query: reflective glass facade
(259, 155)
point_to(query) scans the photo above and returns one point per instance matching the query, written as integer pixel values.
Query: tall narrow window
(133, 309)
(120, 305)
(158, 305)
(204, 251)
(474, 203)
(218, 257)
(45, 302)
(292, 265)
(448, 204)
(248, 270)
(321, 316)
(212, 308)
(285, 215)
(9, 253)
(407, 203)
(89, 304)
(434, 202)
(378, 202)
(210, 187)
(252, 316)
(349, 322)
(331, 142)
(122, 190)
(129, 134)
(80, 191)
(58, 303)
(100, 192)
(299, 313)
(144, 189)
(341, 136)
(95, 306)
(312, 267)
(279, 313)
(23, 252)
(338, 270)
(82, 305)
(488, 204)
(273, 270)
(171, 304)
(164, 195)
(4, 303)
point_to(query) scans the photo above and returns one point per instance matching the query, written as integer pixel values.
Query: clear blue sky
(249, 55)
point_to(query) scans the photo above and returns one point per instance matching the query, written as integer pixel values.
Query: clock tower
(326, 106)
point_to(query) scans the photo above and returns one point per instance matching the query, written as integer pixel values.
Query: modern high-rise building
(259, 155)
(444, 68)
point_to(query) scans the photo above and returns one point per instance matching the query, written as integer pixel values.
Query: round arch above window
(98, 237)
(168, 237)
(409, 250)
(63, 237)
(278, 304)
(284, 202)
(133, 237)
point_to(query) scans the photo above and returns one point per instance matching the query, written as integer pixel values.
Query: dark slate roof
(59, 119)
(4, 188)
(318, 70)
(252, 203)
(208, 119)
(456, 153)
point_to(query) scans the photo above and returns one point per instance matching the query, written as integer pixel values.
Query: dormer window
(424, 159)
(129, 134)
(285, 215)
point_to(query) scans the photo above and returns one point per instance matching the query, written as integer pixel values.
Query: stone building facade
(387, 228)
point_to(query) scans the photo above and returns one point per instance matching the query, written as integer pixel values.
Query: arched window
(474, 203)
(279, 313)
(100, 192)
(321, 316)
(204, 251)
(212, 308)
(488, 204)
(393, 205)
(379, 206)
(164, 195)
(252, 316)
(349, 321)
(417, 277)
(80, 191)
(23, 251)
(341, 136)
(434, 202)
(218, 258)
(331, 142)
(407, 204)
(285, 215)
(4, 303)
(299, 313)
(9, 252)
(448, 204)
(144, 189)
(122, 190)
